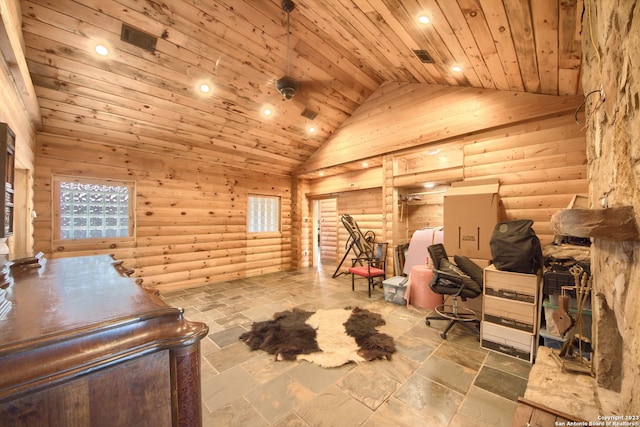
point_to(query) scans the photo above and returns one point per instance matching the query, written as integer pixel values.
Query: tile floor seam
(466, 394)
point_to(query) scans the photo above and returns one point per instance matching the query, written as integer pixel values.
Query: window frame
(56, 239)
(278, 200)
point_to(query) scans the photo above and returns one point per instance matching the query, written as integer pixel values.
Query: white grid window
(263, 214)
(93, 209)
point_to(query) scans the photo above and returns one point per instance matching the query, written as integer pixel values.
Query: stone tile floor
(429, 381)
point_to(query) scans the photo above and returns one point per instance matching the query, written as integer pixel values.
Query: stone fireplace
(611, 83)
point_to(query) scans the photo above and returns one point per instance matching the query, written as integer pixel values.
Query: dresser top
(68, 294)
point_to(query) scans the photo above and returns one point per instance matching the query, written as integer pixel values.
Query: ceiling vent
(423, 56)
(138, 38)
(309, 114)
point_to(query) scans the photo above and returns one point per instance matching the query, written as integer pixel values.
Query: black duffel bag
(515, 247)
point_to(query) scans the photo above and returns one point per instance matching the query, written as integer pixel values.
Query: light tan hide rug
(329, 338)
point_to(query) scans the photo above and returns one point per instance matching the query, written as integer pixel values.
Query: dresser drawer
(512, 314)
(514, 286)
(508, 341)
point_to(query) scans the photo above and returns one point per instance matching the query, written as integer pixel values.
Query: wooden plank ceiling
(340, 51)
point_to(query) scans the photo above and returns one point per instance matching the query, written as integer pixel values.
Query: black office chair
(454, 283)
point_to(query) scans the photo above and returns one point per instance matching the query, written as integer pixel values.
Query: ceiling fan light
(287, 5)
(287, 87)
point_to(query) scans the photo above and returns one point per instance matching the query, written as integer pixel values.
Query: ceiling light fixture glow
(365, 164)
(102, 50)
(204, 88)
(423, 19)
(456, 68)
(267, 111)
(312, 129)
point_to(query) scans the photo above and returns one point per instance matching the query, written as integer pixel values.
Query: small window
(93, 209)
(263, 214)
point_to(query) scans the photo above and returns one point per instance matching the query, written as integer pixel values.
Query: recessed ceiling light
(102, 50)
(456, 68)
(268, 109)
(311, 129)
(204, 88)
(365, 164)
(429, 185)
(423, 19)
(320, 173)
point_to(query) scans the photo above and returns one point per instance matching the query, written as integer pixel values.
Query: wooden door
(328, 233)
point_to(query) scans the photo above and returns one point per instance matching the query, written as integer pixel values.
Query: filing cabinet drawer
(508, 341)
(512, 314)
(513, 286)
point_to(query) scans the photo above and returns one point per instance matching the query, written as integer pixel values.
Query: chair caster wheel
(427, 322)
(443, 336)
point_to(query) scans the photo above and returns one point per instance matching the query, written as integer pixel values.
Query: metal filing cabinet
(511, 312)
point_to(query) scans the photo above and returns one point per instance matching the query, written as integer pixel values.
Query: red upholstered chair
(370, 265)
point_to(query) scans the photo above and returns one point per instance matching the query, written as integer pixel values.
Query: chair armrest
(451, 277)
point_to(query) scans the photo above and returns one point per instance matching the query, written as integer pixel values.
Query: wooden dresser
(81, 344)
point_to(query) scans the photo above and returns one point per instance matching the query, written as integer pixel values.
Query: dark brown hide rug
(329, 338)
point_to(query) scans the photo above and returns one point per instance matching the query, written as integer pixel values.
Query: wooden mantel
(616, 223)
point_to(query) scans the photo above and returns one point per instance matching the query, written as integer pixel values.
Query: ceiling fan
(287, 86)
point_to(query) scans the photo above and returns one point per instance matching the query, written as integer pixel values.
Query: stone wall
(611, 36)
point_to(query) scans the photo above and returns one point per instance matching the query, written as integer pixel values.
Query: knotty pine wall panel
(191, 218)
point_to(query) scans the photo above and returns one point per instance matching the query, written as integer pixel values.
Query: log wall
(541, 165)
(190, 217)
(365, 207)
(19, 110)
(400, 116)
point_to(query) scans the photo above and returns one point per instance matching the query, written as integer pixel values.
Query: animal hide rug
(329, 338)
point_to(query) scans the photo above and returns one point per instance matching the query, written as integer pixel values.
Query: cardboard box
(471, 212)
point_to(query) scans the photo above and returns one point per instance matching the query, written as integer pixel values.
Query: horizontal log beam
(617, 223)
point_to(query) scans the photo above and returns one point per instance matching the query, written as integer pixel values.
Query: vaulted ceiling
(340, 51)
